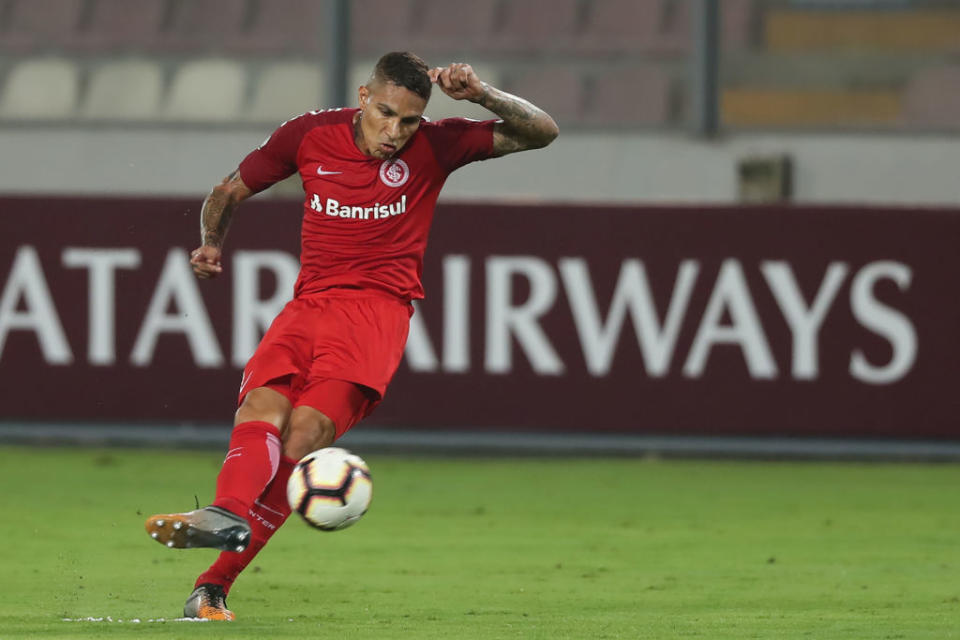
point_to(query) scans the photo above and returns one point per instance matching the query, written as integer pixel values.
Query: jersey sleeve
(460, 141)
(276, 158)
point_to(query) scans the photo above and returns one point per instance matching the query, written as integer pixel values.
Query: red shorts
(321, 347)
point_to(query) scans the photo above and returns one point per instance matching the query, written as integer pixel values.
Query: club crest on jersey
(394, 172)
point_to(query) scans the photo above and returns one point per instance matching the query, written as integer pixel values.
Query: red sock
(249, 466)
(266, 515)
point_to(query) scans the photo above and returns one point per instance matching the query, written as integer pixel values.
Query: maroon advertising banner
(792, 321)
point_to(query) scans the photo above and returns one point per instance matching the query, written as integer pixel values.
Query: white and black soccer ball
(330, 488)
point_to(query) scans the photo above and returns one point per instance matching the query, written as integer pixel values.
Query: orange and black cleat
(209, 602)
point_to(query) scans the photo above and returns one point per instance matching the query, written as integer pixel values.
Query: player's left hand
(459, 81)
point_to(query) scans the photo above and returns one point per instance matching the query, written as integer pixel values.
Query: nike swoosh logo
(321, 172)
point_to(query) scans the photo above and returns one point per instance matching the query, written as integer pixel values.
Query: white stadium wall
(579, 167)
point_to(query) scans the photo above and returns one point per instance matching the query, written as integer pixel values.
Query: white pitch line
(133, 620)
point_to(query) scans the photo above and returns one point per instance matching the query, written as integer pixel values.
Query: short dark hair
(404, 69)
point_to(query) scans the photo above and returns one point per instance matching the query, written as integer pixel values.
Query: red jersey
(365, 220)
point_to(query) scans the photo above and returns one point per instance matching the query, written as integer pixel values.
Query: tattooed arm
(523, 125)
(215, 218)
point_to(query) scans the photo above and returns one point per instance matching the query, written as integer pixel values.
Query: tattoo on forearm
(216, 214)
(507, 106)
(525, 126)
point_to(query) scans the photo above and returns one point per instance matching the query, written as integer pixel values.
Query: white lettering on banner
(889, 323)
(805, 322)
(252, 314)
(177, 284)
(732, 294)
(419, 352)
(505, 320)
(456, 314)
(26, 280)
(729, 317)
(632, 294)
(599, 334)
(101, 264)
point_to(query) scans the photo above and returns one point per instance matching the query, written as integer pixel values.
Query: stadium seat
(379, 26)
(622, 26)
(452, 28)
(556, 89)
(527, 27)
(27, 25)
(205, 25)
(675, 29)
(209, 90)
(285, 26)
(659, 26)
(738, 23)
(736, 26)
(133, 25)
(932, 98)
(285, 89)
(124, 90)
(638, 96)
(40, 89)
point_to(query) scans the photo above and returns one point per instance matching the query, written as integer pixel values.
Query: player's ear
(363, 95)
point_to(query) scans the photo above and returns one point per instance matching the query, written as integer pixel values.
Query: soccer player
(371, 177)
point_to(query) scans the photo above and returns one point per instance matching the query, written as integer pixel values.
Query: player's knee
(309, 430)
(264, 405)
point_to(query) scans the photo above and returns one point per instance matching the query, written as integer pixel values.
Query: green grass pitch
(508, 548)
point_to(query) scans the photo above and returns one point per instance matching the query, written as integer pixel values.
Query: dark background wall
(666, 320)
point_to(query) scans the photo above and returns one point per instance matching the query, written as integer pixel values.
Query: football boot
(211, 527)
(208, 601)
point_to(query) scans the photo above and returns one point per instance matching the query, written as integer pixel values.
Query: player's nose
(393, 129)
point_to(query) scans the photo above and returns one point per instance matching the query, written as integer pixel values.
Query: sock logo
(259, 518)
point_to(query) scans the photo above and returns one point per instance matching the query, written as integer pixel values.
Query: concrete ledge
(450, 442)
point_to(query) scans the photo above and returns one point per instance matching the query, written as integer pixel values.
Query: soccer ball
(330, 488)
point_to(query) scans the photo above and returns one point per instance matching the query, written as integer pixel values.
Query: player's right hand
(459, 81)
(205, 261)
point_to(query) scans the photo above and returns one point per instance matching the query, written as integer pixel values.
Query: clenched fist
(206, 262)
(459, 81)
